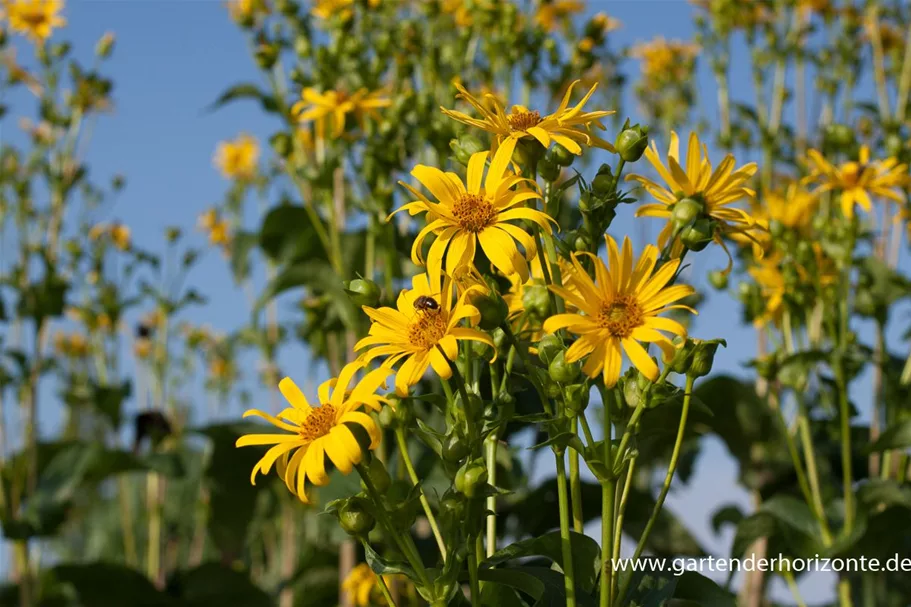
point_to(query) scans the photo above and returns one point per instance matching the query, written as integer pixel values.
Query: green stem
(607, 512)
(385, 590)
(490, 447)
(473, 581)
(575, 483)
(409, 466)
(803, 427)
(792, 585)
(672, 467)
(566, 542)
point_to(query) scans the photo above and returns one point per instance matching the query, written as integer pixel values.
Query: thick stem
(566, 542)
(490, 449)
(575, 484)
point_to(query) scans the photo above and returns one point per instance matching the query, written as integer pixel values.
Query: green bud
(266, 55)
(686, 211)
(561, 371)
(387, 416)
(536, 300)
(894, 145)
(548, 348)
(454, 449)
(470, 479)
(603, 182)
(363, 292)
(577, 398)
(632, 392)
(683, 359)
(704, 356)
(718, 279)
(354, 518)
(839, 137)
(499, 338)
(776, 228)
(582, 243)
(471, 144)
(302, 47)
(865, 303)
(527, 152)
(766, 367)
(632, 142)
(492, 308)
(105, 46)
(560, 156)
(698, 236)
(281, 144)
(452, 506)
(548, 170)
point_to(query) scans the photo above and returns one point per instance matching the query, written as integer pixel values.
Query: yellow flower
(768, 276)
(666, 60)
(36, 19)
(561, 127)
(551, 12)
(714, 190)
(619, 309)
(237, 159)
(245, 10)
(478, 213)
(794, 209)
(459, 10)
(858, 180)
(416, 335)
(330, 430)
(207, 220)
(120, 235)
(361, 585)
(320, 107)
(606, 22)
(325, 9)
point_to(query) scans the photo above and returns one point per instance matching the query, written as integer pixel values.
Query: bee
(425, 303)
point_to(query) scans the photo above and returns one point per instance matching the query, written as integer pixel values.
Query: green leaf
(564, 440)
(217, 584)
(728, 514)
(586, 555)
(319, 277)
(108, 400)
(695, 587)
(897, 436)
(749, 530)
(242, 244)
(648, 588)
(287, 235)
(245, 90)
(791, 512)
(383, 566)
(876, 492)
(103, 584)
(545, 586)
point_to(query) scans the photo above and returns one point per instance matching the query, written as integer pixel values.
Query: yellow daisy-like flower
(36, 19)
(768, 276)
(336, 105)
(242, 11)
(362, 585)
(666, 60)
(858, 180)
(794, 209)
(475, 213)
(561, 127)
(326, 9)
(619, 309)
(238, 159)
(335, 429)
(423, 322)
(552, 12)
(714, 189)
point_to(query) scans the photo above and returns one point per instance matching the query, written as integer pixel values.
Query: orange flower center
(620, 316)
(852, 173)
(318, 423)
(427, 331)
(522, 121)
(474, 212)
(34, 16)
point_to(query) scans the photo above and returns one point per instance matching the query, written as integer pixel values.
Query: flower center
(427, 330)
(522, 121)
(318, 423)
(620, 316)
(35, 17)
(853, 173)
(474, 212)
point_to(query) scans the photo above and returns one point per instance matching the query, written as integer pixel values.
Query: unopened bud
(105, 46)
(632, 142)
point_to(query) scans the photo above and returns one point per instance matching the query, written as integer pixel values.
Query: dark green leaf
(586, 555)
(897, 436)
(245, 91)
(695, 587)
(109, 585)
(217, 584)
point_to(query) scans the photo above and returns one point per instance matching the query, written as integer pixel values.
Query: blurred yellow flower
(361, 585)
(245, 10)
(330, 430)
(119, 234)
(238, 159)
(74, 345)
(459, 10)
(794, 209)
(619, 309)
(325, 9)
(476, 213)
(665, 60)
(605, 22)
(336, 105)
(858, 180)
(36, 19)
(418, 333)
(551, 12)
(561, 127)
(767, 274)
(711, 190)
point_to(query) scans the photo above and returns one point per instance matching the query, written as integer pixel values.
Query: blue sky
(171, 61)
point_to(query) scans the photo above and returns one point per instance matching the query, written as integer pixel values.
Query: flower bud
(354, 518)
(704, 356)
(686, 211)
(683, 359)
(266, 55)
(454, 448)
(582, 243)
(632, 142)
(105, 46)
(470, 479)
(577, 398)
(560, 156)
(492, 308)
(536, 300)
(839, 137)
(549, 347)
(697, 236)
(548, 170)
(718, 279)
(561, 371)
(603, 181)
(281, 144)
(363, 292)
